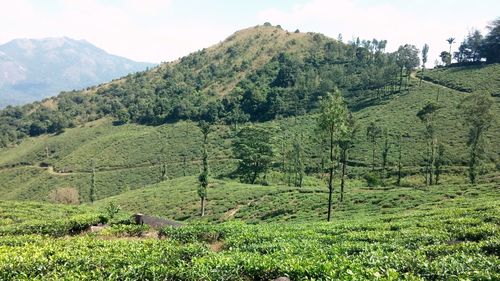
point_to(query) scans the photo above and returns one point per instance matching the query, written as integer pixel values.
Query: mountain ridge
(32, 69)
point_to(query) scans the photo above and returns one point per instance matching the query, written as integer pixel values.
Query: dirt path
(413, 75)
(229, 214)
(52, 171)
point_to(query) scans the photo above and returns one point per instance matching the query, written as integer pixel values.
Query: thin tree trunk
(401, 80)
(472, 162)
(399, 165)
(330, 179)
(431, 161)
(421, 76)
(202, 206)
(342, 181)
(254, 176)
(373, 157)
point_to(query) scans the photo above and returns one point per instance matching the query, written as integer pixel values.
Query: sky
(164, 30)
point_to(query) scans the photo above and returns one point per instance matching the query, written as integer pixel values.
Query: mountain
(32, 69)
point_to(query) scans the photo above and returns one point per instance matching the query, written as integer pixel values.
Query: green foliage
(45, 219)
(466, 78)
(257, 74)
(125, 230)
(112, 209)
(373, 179)
(253, 148)
(490, 47)
(456, 238)
(478, 116)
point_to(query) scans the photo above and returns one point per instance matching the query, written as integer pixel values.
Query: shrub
(112, 209)
(65, 195)
(373, 179)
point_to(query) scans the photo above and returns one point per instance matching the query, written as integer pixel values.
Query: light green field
(444, 232)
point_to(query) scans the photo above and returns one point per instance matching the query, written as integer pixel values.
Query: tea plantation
(452, 235)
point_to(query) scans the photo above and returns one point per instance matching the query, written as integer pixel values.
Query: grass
(473, 78)
(177, 199)
(129, 156)
(445, 232)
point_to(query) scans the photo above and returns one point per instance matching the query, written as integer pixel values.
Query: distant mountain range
(33, 69)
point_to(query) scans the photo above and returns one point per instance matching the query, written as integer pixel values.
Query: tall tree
(490, 47)
(332, 121)
(469, 49)
(425, 51)
(296, 163)
(426, 115)
(162, 162)
(445, 57)
(400, 165)
(450, 41)
(346, 142)
(476, 110)
(203, 177)
(373, 133)
(440, 161)
(385, 153)
(253, 148)
(407, 59)
(92, 181)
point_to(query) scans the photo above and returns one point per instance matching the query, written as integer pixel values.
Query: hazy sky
(163, 30)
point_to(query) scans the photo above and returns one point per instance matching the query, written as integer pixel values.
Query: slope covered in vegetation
(256, 74)
(130, 156)
(468, 78)
(439, 233)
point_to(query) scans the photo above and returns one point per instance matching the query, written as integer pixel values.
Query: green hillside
(443, 232)
(130, 156)
(258, 73)
(137, 143)
(131, 129)
(229, 200)
(475, 78)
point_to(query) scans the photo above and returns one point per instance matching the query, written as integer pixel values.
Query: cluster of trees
(289, 84)
(476, 47)
(337, 128)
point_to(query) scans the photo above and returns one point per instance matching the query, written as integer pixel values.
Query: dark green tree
(425, 51)
(385, 153)
(92, 181)
(490, 47)
(407, 59)
(469, 49)
(332, 121)
(373, 133)
(426, 115)
(445, 57)
(476, 110)
(252, 146)
(440, 161)
(346, 142)
(205, 128)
